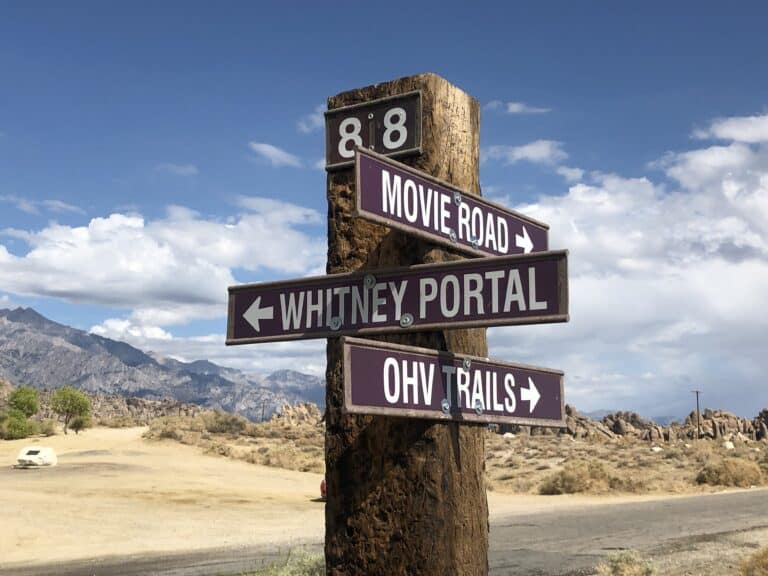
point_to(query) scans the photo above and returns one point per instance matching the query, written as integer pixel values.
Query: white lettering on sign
(403, 384)
(471, 294)
(432, 208)
(412, 382)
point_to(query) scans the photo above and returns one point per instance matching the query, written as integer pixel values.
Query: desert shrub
(730, 472)
(223, 423)
(755, 565)
(48, 427)
(297, 564)
(79, 423)
(625, 563)
(117, 422)
(26, 400)
(15, 426)
(575, 478)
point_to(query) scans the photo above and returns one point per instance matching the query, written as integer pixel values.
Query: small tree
(15, 426)
(26, 400)
(80, 423)
(70, 403)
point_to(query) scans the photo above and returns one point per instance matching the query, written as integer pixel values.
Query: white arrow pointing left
(255, 313)
(531, 394)
(524, 241)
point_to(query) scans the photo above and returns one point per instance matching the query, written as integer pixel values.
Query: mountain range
(44, 354)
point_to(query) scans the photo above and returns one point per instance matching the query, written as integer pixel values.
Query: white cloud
(747, 129)
(313, 121)
(670, 281)
(570, 174)
(538, 152)
(5, 300)
(36, 206)
(277, 157)
(515, 107)
(167, 271)
(178, 169)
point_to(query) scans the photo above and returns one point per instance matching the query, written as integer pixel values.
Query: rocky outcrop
(718, 425)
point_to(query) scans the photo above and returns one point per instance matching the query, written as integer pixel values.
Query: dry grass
(298, 446)
(298, 564)
(730, 472)
(755, 565)
(626, 563)
(560, 464)
(523, 464)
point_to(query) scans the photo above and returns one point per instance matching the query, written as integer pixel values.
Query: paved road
(564, 543)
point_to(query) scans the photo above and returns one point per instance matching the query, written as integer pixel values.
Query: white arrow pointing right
(530, 394)
(256, 313)
(524, 241)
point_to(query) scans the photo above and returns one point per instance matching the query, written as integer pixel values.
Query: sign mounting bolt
(452, 236)
(466, 364)
(369, 281)
(457, 198)
(406, 320)
(479, 407)
(335, 323)
(370, 115)
(475, 242)
(445, 406)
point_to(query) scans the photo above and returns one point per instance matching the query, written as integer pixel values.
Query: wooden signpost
(406, 413)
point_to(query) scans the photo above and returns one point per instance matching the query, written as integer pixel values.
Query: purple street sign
(522, 289)
(391, 193)
(396, 380)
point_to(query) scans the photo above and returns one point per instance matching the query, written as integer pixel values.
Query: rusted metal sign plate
(396, 380)
(523, 289)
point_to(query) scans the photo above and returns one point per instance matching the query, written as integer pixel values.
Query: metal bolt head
(452, 236)
(466, 363)
(478, 407)
(406, 320)
(457, 198)
(475, 242)
(369, 281)
(370, 115)
(445, 406)
(335, 323)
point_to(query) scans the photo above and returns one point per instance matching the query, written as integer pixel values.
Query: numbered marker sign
(389, 126)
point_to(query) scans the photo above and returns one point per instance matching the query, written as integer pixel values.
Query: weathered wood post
(405, 496)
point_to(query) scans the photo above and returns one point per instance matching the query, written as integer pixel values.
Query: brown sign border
(419, 127)
(562, 301)
(350, 408)
(358, 212)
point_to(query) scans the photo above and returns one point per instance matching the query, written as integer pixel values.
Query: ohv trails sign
(396, 380)
(391, 193)
(524, 289)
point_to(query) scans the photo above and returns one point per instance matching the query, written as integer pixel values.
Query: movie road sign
(391, 126)
(402, 197)
(523, 289)
(396, 380)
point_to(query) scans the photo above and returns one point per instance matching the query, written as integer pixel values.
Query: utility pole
(405, 496)
(263, 405)
(698, 414)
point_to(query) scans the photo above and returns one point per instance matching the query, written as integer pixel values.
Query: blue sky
(153, 153)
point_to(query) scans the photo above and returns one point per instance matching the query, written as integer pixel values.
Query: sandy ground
(114, 493)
